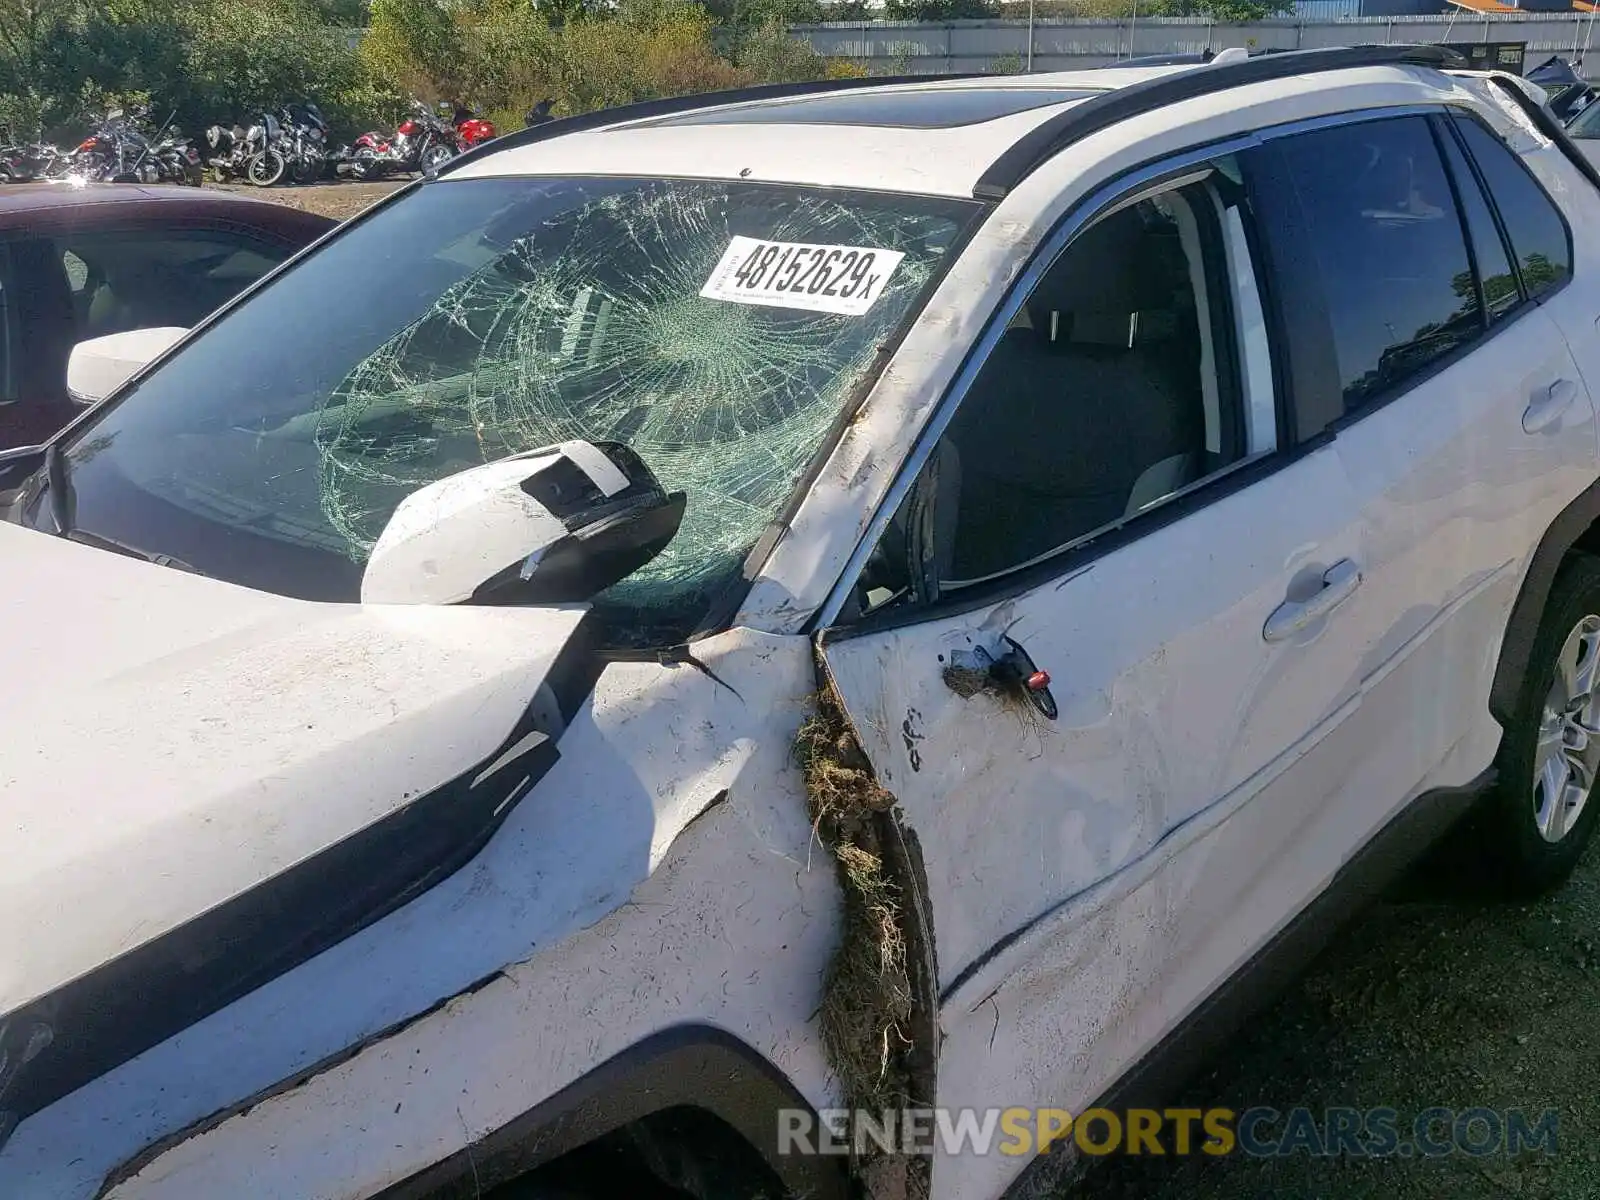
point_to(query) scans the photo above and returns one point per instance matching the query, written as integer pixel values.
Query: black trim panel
(102, 1019)
(1523, 626)
(689, 1066)
(1156, 1078)
(1029, 152)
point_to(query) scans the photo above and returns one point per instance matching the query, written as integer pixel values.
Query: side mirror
(550, 526)
(101, 365)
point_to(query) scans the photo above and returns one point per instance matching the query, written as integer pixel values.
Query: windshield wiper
(100, 542)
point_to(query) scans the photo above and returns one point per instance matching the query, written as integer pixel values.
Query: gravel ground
(339, 200)
(1431, 998)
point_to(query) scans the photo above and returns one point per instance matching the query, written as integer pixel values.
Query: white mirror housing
(101, 365)
(552, 525)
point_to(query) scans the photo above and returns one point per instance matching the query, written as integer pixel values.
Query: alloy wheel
(1567, 755)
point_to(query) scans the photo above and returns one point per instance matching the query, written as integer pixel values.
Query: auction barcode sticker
(835, 279)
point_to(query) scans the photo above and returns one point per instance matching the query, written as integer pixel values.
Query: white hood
(168, 742)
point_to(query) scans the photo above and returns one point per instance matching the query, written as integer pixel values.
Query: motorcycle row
(118, 150)
(289, 144)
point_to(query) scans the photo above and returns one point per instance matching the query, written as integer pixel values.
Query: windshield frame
(726, 602)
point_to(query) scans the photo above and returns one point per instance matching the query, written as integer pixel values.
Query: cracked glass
(480, 318)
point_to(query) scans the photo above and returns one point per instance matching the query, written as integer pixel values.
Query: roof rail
(1029, 153)
(673, 105)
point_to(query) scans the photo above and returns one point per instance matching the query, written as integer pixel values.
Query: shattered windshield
(719, 329)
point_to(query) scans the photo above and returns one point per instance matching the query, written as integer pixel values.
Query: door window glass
(1533, 223)
(1121, 382)
(132, 279)
(1382, 224)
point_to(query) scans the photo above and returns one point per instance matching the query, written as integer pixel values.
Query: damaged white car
(884, 596)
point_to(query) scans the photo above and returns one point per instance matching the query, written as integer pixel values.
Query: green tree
(417, 46)
(940, 10)
(771, 54)
(31, 34)
(1222, 10)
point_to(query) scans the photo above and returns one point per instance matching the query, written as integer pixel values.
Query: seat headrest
(1108, 272)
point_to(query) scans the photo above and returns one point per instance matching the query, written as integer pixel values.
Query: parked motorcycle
(116, 151)
(304, 143)
(177, 161)
(230, 149)
(423, 142)
(253, 152)
(470, 128)
(371, 156)
(36, 160)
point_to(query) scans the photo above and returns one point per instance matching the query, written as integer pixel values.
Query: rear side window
(1533, 223)
(1377, 212)
(1501, 291)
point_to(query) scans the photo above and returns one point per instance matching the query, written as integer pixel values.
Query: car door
(1455, 409)
(1132, 532)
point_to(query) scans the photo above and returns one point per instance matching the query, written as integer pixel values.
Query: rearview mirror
(101, 365)
(550, 526)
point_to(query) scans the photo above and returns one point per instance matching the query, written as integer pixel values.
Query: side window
(1586, 125)
(1136, 369)
(141, 279)
(1533, 223)
(1501, 292)
(1377, 211)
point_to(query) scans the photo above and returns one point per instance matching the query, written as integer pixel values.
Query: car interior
(96, 285)
(1103, 396)
(155, 281)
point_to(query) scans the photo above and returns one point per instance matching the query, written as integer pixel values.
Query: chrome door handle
(1289, 618)
(1548, 408)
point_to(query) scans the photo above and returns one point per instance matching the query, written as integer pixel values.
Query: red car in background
(82, 263)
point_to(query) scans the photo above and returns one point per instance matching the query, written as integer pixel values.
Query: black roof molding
(1039, 144)
(673, 105)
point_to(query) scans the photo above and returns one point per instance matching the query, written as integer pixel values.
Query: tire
(267, 169)
(1543, 811)
(435, 157)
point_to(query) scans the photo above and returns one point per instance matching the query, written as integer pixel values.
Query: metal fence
(1059, 44)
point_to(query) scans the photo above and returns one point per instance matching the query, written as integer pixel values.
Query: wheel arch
(1576, 528)
(688, 1066)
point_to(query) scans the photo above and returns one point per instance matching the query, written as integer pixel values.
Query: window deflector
(1166, 185)
(1255, 354)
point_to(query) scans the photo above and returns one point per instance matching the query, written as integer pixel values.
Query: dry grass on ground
(340, 200)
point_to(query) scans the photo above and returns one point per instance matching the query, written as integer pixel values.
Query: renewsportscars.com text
(1260, 1131)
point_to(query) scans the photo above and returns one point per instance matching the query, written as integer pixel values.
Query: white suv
(1146, 498)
